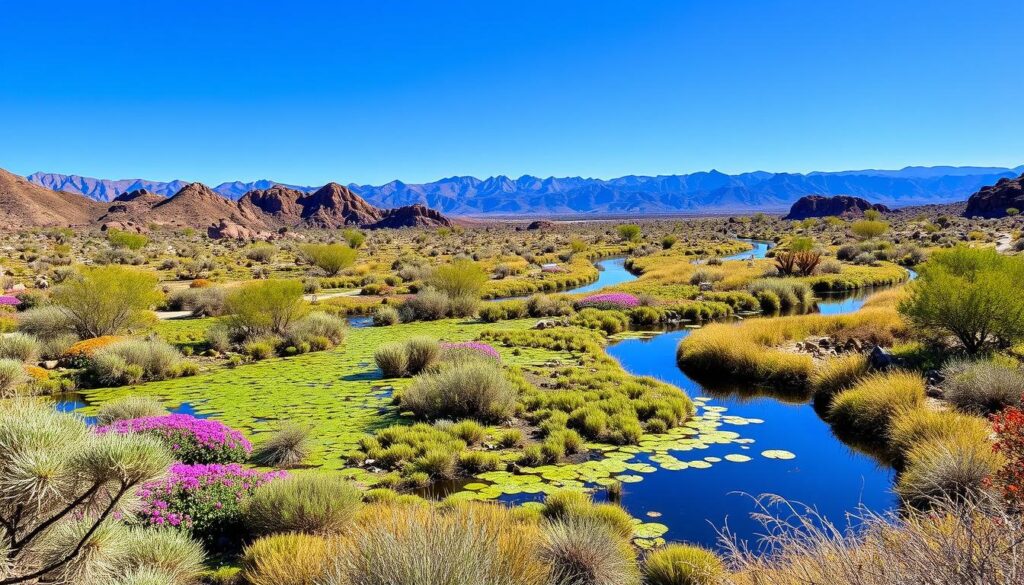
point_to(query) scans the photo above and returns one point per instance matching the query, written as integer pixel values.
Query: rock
(541, 224)
(880, 359)
(122, 226)
(837, 205)
(226, 229)
(411, 216)
(50, 364)
(993, 201)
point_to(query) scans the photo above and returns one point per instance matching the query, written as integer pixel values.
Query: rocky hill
(24, 204)
(995, 200)
(257, 213)
(837, 205)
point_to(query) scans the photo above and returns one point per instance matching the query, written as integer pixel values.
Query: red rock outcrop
(994, 201)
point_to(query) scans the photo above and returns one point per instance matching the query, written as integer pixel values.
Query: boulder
(837, 205)
(995, 200)
(541, 224)
(226, 229)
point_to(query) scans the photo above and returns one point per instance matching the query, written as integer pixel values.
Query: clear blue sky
(369, 91)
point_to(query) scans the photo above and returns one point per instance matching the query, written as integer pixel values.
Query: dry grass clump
(679, 564)
(288, 559)
(951, 545)
(982, 386)
(865, 411)
(585, 551)
(477, 390)
(128, 408)
(311, 503)
(952, 469)
(419, 545)
(837, 374)
(921, 425)
(286, 447)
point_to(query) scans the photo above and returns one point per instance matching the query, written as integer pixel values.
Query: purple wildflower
(481, 348)
(192, 440)
(609, 301)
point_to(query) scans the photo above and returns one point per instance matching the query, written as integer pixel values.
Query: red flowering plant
(1009, 427)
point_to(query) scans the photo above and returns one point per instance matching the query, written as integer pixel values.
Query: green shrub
(264, 307)
(473, 462)
(392, 360)
(331, 258)
(19, 346)
(982, 387)
(46, 322)
(421, 354)
(585, 550)
(462, 278)
(470, 431)
(124, 239)
(629, 232)
(386, 315)
(287, 447)
(866, 410)
(510, 438)
(317, 325)
(477, 390)
(128, 408)
(106, 300)
(170, 552)
(133, 360)
(260, 349)
(310, 503)
(428, 304)
(680, 564)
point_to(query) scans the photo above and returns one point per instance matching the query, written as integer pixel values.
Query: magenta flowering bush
(9, 301)
(609, 301)
(203, 499)
(190, 439)
(474, 346)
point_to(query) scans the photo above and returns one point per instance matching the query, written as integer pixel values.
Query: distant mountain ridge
(694, 192)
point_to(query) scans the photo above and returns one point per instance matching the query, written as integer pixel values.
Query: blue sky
(370, 91)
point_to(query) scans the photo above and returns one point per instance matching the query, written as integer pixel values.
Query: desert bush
(866, 410)
(679, 564)
(19, 346)
(477, 390)
(206, 301)
(316, 326)
(46, 322)
(868, 229)
(1009, 428)
(462, 278)
(982, 386)
(128, 408)
(311, 503)
(331, 258)
(470, 543)
(547, 306)
(584, 551)
(421, 353)
(12, 375)
(385, 315)
(133, 360)
(954, 470)
(171, 553)
(106, 300)
(971, 294)
(286, 447)
(629, 233)
(260, 252)
(429, 304)
(392, 360)
(264, 307)
(73, 481)
(287, 559)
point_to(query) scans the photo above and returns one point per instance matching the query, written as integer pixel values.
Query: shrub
(203, 499)
(311, 503)
(132, 360)
(204, 301)
(287, 447)
(547, 306)
(585, 551)
(469, 431)
(264, 307)
(421, 353)
(190, 439)
(462, 278)
(331, 258)
(922, 425)
(124, 239)
(392, 360)
(679, 564)
(72, 480)
(12, 375)
(953, 469)
(866, 410)
(19, 346)
(428, 304)
(385, 315)
(971, 294)
(128, 408)
(169, 552)
(46, 322)
(867, 229)
(468, 544)
(982, 387)
(476, 390)
(317, 325)
(469, 350)
(609, 301)
(106, 300)
(260, 252)
(629, 233)
(287, 559)
(1009, 428)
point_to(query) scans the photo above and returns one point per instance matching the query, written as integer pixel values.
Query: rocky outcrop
(334, 205)
(411, 216)
(837, 205)
(226, 229)
(123, 226)
(541, 224)
(994, 201)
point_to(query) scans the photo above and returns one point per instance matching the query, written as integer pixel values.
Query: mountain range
(694, 192)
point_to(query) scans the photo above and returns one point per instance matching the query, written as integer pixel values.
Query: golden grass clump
(920, 425)
(865, 410)
(679, 564)
(288, 559)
